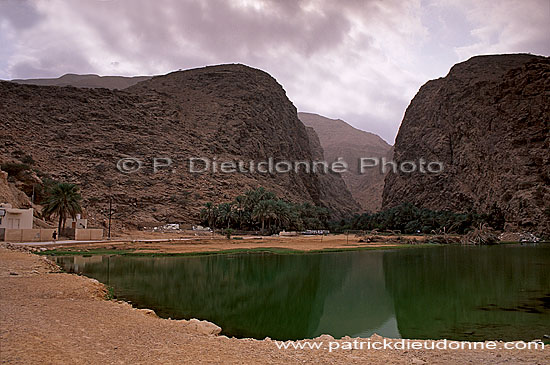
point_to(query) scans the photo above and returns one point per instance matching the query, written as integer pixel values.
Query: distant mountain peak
(339, 139)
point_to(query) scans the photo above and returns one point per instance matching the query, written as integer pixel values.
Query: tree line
(261, 209)
(408, 218)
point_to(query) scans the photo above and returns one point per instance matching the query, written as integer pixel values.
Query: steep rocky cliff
(227, 113)
(339, 139)
(332, 187)
(10, 194)
(487, 121)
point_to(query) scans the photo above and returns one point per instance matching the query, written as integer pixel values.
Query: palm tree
(63, 200)
(209, 214)
(264, 211)
(254, 197)
(282, 213)
(225, 214)
(239, 208)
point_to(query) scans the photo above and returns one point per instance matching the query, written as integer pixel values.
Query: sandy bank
(173, 243)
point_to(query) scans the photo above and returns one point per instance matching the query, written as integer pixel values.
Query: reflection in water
(471, 293)
(448, 292)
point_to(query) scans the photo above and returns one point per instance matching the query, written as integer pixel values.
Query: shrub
(482, 235)
(13, 169)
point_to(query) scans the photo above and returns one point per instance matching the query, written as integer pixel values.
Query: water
(459, 293)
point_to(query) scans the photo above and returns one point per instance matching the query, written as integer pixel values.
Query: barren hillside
(487, 121)
(227, 112)
(339, 139)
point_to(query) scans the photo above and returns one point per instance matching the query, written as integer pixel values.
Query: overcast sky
(358, 60)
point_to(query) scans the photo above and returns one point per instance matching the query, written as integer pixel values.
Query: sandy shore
(47, 317)
(187, 243)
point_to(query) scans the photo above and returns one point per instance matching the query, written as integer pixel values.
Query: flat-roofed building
(15, 218)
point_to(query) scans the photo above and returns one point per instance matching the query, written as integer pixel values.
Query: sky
(361, 61)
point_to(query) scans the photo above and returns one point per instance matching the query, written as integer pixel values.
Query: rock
(228, 112)
(376, 337)
(339, 139)
(203, 327)
(325, 337)
(487, 122)
(148, 312)
(417, 361)
(332, 187)
(13, 273)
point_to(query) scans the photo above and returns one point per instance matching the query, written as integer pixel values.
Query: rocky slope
(10, 194)
(227, 112)
(339, 139)
(488, 122)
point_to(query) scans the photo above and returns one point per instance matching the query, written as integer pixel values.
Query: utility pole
(110, 214)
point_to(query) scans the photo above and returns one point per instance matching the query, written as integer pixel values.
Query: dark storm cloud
(218, 26)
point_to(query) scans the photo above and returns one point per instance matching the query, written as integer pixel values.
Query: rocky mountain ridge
(339, 139)
(226, 112)
(86, 81)
(487, 121)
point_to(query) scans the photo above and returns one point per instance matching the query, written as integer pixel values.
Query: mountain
(339, 139)
(487, 122)
(221, 113)
(86, 81)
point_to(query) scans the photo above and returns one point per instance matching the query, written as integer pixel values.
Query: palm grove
(262, 209)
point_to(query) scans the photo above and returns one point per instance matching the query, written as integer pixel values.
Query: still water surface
(461, 293)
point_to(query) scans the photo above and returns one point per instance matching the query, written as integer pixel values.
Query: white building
(14, 218)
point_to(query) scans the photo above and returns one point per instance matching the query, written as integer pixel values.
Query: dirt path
(56, 318)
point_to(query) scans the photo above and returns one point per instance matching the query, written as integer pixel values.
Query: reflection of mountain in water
(360, 304)
(280, 296)
(460, 293)
(470, 293)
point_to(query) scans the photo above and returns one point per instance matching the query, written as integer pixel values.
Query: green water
(461, 293)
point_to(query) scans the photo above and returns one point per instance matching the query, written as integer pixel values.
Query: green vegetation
(63, 201)
(407, 218)
(234, 251)
(110, 293)
(262, 209)
(92, 252)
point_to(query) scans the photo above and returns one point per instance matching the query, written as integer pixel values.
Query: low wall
(82, 234)
(27, 235)
(88, 234)
(45, 234)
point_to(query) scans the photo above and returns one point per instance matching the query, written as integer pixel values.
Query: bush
(482, 235)
(27, 159)
(13, 169)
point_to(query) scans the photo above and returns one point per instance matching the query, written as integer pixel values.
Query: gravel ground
(47, 317)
